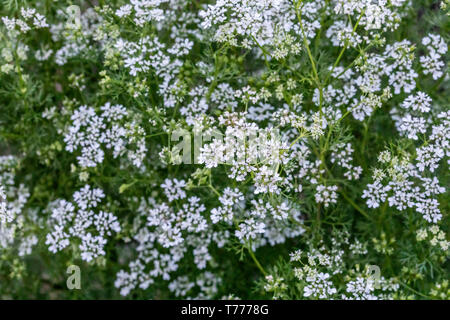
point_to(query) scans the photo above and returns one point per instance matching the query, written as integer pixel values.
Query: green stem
(344, 48)
(354, 205)
(311, 59)
(415, 291)
(265, 53)
(256, 261)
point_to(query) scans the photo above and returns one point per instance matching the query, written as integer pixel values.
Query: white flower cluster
(178, 232)
(205, 285)
(149, 54)
(407, 180)
(375, 14)
(18, 195)
(189, 230)
(262, 21)
(13, 211)
(174, 189)
(31, 20)
(264, 222)
(342, 156)
(142, 11)
(249, 150)
(362, 89)
(14, 48)
(404, 186)
(435, 236)
(411, 120)
(77, 39)
(326, 194)
(111, 129)
(4, 212)
(82, 221)
(231, 200)
(431, 63)
(322, 267)
(342, 34)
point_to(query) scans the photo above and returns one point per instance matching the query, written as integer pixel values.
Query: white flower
(411, 126)
(326, 194)
(173, 189)
(419, 102)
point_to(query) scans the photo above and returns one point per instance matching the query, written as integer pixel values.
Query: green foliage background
(45, 169)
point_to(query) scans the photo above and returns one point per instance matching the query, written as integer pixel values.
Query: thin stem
(265, 53)
(354, 205)
(211, 186)
(256, 261)
(155, 134)
(296, 139)
(413, 290)
(344, 48)
(354, 61)
(311, 59)
(214, 190)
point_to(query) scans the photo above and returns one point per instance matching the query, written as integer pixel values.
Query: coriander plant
(208, 149)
